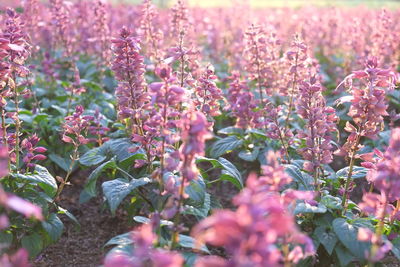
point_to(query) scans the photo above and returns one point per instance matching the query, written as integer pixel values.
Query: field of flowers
(139, 136)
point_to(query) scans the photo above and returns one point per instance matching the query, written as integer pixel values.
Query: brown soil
(82, 247)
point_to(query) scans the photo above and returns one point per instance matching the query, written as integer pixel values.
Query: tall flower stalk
(75, 131)
(385, 175)
(368, 106)
(194, 134)
(17, 51)
(320, 124)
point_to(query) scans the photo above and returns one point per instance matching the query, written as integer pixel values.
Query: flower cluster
(385, 176)
(102, 31)
(144, 254)
(207, 94)
(60, 13)
(261, 225)
(368, 104)
(97, 129)
(320, 124)
(259, 53)
(149, 31)
(129, 69)
(76, 126)
(241, 102)
(32, 152)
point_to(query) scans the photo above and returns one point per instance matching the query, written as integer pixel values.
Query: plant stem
(17, 127)
(4, 134)
(74, 158)
(175, 234)
(351, 166)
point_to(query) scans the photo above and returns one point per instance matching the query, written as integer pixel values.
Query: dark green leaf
(53, 226)
(230, 173)
(33, 244)
(347, 234)
(188, 242)
(327, 238)
(116, 190)
(225, 145)
(358, 172)
(42, 177)
(303, 207)
(90, 187)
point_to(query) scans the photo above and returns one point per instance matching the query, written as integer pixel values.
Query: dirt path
(84, 247)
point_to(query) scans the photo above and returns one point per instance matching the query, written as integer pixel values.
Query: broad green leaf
(120, 240)
(6, 238)
(53, 226)
(257, 133)
(298, 177)
(225, 145)
(230, 173)
(63, 163)
(248, 155)
(189, 242)
(303, 207)
(347, 234)
(344, 256)
(396, 247)
(116, 190)
(33, 244)
(202, 211)
(141, 219)
(231, 131)
(358, 172)
(90, 187)
(331, 202)
(327, 238)
(196, 191)
(42, 177)
(215, 163)
(94, 156)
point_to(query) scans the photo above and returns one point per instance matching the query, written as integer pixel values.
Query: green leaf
(6, 239)
(331, 202)
(396, 247)
(344, 256)
(54, 227)
(68, 214)
(303, 207)
(116, 190)
(230, 173)
(141, 219)
(304, 182)
(231, 131)
(120, 240)
(189, 242)
(42, 177)
(63, 163)
(215, 163)
(196, 191)
(201, 212)
(358, 172)
(248, 155)
(33, 244)
(257, 133)
(94, 156)
(90, 187)
(327, 238)
(225, 145)
(347, 234)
